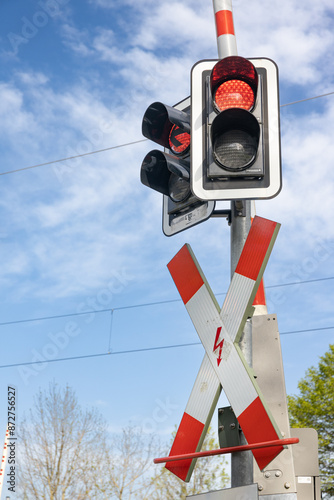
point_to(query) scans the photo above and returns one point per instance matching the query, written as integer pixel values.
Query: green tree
(314, 407)
(209, 474)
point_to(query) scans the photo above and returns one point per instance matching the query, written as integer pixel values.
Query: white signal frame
(198, 121)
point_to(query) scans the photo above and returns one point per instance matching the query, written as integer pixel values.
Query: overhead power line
(129, 143)
(143, 349)
(72, 157)
(145, 304)
(307, 99)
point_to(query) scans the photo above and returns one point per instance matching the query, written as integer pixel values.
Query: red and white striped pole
(226, 41)
(260, 303)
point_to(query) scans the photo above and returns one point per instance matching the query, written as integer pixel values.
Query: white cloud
(77, 40)
(14, 118)
(90, 214)
(296, 35)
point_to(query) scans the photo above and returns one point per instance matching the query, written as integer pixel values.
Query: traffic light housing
(168, 171)
(235, 148)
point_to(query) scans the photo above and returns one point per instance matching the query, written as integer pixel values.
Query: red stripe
(256, 247)
(185, 273)
(224, 22)
(260, 297)
(257, 427)
(186, 441)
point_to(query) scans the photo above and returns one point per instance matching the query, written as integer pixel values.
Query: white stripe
(227, 46)
(205, 393)
(222, 5)
(237, 305)
(260, 310)
(231, 372)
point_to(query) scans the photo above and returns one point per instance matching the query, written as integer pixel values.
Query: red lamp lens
(234, 82)
(234, 94)
(179, 140)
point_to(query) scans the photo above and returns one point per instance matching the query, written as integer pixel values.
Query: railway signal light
(235, 132)
(168, 171)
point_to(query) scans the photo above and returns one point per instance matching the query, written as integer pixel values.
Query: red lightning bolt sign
(218, 345)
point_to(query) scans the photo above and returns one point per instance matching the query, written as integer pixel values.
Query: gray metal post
(241, 463)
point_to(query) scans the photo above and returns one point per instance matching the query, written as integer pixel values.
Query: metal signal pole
(241, 463)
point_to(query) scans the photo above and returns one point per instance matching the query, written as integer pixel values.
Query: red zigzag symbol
(220, 345)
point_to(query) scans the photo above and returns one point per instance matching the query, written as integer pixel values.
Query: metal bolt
(267, 474)
(232, 426)
(221, 410)
(260, 487)
(287, 486)
(278, 473)
(221, 428)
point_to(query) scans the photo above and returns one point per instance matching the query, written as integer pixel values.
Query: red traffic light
(179, 140)
(233, 83)
(168, 127)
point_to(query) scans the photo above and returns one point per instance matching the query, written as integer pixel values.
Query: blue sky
(85, 234)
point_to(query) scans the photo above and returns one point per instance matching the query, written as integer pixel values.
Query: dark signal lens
(234, 94)
(179, 188)
(179, 140)
(235, 149)
(235, 137)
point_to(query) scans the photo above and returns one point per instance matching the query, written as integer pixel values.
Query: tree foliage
(314, 407)
(209, 474)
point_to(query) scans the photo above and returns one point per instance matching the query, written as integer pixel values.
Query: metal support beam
(241, 463)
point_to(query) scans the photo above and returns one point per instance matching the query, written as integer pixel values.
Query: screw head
(287, 486)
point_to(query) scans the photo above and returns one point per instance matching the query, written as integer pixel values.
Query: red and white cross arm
(223, 364)
(226, 40)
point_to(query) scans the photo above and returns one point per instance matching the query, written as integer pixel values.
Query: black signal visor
(158, 122)
(157, 168)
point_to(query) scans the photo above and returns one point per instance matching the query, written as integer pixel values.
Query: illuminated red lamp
(179, 140)
(234, 82)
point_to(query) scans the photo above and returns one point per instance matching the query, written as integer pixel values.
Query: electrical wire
(143, 349)
(97, 355)
(131, 143)
(145, 304)
(307, 99)
(71, 157)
